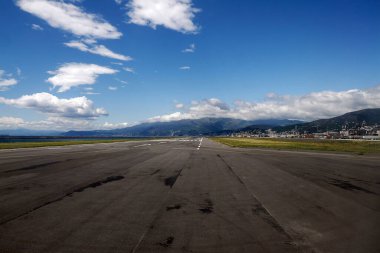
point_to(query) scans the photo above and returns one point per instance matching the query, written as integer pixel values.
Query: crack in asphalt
(81, 189)
(259, 209)
(36, 166)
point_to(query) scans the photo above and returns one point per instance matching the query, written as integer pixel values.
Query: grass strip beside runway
(12, 145)
(360, 147)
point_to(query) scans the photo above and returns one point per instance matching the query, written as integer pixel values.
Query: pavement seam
(160, 209)
(266, 215)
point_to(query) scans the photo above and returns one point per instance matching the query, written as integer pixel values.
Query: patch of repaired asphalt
(81, 189)
(346, 185)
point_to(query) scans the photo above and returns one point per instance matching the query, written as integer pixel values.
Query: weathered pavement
(187, 196)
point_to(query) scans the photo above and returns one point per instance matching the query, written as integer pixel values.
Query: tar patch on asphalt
(174, 207)
(170, 181)
(208, 207)
(346, 185)
(167, 242)
(99, 183)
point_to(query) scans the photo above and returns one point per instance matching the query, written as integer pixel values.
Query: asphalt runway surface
(185, 195)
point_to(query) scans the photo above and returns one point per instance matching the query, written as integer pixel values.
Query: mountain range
(222, 126)
(186, 127)
(216, 126)
(351, 119)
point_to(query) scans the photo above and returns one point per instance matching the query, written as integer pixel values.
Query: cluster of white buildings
(362, 131)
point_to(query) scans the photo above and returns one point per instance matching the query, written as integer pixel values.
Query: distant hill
(188, 127)
(351, 119)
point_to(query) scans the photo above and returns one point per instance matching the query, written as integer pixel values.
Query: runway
(187, 195)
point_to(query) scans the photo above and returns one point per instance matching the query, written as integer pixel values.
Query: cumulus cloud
(78, 107)
(190, 49)
(97, 49)
(185, 68)
(177, 15)
(51, 123)
(108, 125)
(10, 122)
(57, 123)
(316, 105)
(37, 27)
(70, 18)
(74, 74)
(6, 81)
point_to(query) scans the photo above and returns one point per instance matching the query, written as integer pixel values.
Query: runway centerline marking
(200, 144)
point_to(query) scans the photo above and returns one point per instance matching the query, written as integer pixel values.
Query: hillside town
(347, 131)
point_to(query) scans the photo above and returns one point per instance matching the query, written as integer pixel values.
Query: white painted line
(200, 144)
(163, 142)
(142, 145)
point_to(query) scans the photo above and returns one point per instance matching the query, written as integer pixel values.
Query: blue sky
(106, 64)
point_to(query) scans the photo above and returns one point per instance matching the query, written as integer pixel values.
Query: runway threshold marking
(200, 144)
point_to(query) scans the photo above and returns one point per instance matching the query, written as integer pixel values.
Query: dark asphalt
(171, 196)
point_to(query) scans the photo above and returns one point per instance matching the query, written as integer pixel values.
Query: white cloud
(78, 107)
(57, 123)
(74, 74)
(70, 18)
(97, 49)
(51, 123)
(10, 122)
(316, 105)
(113, 88)
(6, 81)
(90, 93)
(169, 117)
(129, 69)
(185, 68)
(37, 27)
(190, 49)
(107, 125)
(119, 1)
(177, 15)
(179, 106)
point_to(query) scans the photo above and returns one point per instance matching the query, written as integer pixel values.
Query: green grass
(59, 143)
(359, 147)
